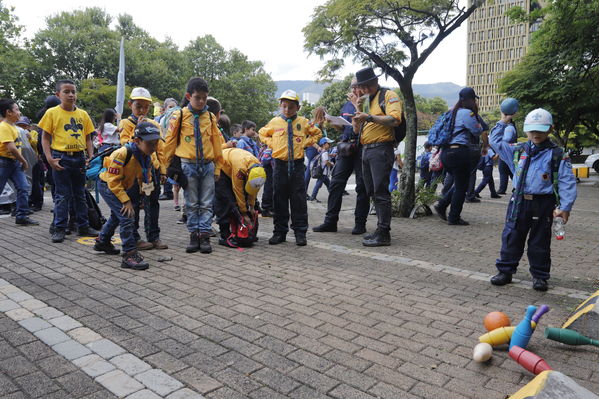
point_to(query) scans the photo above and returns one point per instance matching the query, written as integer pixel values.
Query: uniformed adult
(377, 138)
(508, 107)
(349, 160)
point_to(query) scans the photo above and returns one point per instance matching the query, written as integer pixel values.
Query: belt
(457, 146)
(374, 145)
(531, 197)
(71, 153)
(8, 159)
(193, 161)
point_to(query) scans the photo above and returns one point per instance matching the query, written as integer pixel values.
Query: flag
(120, 85)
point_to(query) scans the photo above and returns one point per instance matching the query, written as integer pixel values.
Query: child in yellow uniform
(66, 141)
(287, 135)
(140, 102)
(128, 173)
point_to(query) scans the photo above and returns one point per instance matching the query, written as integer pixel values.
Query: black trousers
(341, 172)
(267, 189)
(290, 193)
(224, 203)
(37, 185)
(151, 208)
(377, 163)
(504, 174)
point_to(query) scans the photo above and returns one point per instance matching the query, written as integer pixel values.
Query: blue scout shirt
(487, 160)
(509, 131)
(468, 128)
(347, 110)
(538, 177)
(246, 143)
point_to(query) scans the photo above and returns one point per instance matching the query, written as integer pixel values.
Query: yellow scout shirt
(68, 129)
(120, 176)
(34, 139)
(8, 134)
(212, 141)
(236, 165)
(375, 133)
(127, 131)
(274, 135)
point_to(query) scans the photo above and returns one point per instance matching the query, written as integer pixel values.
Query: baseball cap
(509, 106)
(324, 140)
(147, 131)
(23, 121)
(289, 95)
(467, 93)
(140, 93)
(539, 120)
(256, 179)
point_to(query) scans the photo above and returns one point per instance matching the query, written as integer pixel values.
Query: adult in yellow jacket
(194, 137)
(128, 173)
(236, 190)
(287, 135)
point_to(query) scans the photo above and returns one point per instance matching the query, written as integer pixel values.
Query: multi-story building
(495, 45)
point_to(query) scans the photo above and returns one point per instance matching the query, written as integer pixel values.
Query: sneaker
(165, 197)
(26, 222)
(538, 284)
(496, 196)
(144, 245)
(300, 240)
(88, 232)
(325, 228)
(159, 244)
(473, 200)
(459, 222)
(205, 247)
(194, 243)
(277, 238)
(177, 208)
(501, 192)
(183, 219)
(501, 279)
(133, 260)
(381, 238)
(358, 229)
(106, 247)
(58, 235)
(266, 213)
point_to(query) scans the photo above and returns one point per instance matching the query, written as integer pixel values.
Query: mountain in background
(446, 90)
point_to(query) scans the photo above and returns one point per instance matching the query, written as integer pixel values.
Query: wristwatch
(369, 118)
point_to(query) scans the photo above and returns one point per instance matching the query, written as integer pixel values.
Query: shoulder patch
(393, 100)
(114, 171)
(118, 162)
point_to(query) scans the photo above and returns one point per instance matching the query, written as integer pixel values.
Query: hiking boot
(300, 240)
(58, 235)
(325, 228)
(159, 244)
(144, 245)
(459, 222)
(106, 247)
(205, 247)
(133, 260)
(539, 284)
(442, 212)
(26, 222)
(358, 229)
(88, 232)
(381, 238)
(194, 243)
(501, 279)
(277, 238)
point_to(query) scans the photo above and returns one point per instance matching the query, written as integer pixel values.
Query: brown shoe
(144, 245)
(159, 245)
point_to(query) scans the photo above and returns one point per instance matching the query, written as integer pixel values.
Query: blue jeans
(199, 196)
(127, 224)
(70, 186)
(323, 180)
(311, 152)
(11, 169)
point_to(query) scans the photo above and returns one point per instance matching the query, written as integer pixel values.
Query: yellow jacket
(121, 175)
(212, 140)
(274, 135)
(236, 165)
(375, 133)
(127, 130)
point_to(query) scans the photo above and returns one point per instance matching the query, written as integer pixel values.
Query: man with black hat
(375, 125)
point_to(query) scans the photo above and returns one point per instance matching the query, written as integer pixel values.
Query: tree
(560, 71)
(335, 95)
(95, 95)
(396, 36)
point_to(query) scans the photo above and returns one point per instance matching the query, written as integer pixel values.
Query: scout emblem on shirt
(298, 127)
(75, 127)
(188, 139)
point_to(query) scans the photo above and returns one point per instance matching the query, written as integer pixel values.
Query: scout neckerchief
(145, 162)
(290, 152)
(531, 151)
(197, 134)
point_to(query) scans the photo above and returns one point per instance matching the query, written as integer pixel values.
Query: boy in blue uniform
(508, 107)
(423, 163)
(545, 187)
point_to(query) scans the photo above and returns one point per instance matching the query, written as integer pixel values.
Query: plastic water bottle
(558, 228)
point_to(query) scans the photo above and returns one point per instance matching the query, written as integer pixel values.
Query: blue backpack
(96, 164)
(442, 131)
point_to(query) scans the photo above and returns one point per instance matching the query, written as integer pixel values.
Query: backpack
(399, 132)
(96, 163)
(435, 164)
(316, 169)
(557, 155)
(442, 131)
(243, 235)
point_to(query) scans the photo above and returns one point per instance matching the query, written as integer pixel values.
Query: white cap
(539, 120)
(140, 93)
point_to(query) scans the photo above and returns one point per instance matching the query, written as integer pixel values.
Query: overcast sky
(258, 28)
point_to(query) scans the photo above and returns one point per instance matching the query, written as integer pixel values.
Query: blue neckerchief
(133, 119)
(144, 161)
(290, 152)
(197, 134)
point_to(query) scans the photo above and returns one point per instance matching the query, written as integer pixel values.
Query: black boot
(106, 247)
(501, 279)
(58, 235)
(381, 238)
(358, 229)
(88, 232)
(325, 227)
(277, 238)
(539, 284)
(194, 243)
(300, 239)
(205, 246)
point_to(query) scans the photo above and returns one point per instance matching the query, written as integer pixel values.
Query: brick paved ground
(309, 322)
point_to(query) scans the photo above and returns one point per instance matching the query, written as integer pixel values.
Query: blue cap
(324, 140)
(23, 121)
(509, 106)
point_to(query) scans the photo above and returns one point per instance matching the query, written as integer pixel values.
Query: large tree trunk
(407, 182)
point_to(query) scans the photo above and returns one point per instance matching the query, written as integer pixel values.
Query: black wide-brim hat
(365, 75)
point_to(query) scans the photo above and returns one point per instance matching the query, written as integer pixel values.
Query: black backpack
(399, 132)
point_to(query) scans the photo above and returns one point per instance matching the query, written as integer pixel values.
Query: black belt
(8, 159)
(71, 153)
(374, 145)
(195, 161)
(531, 197)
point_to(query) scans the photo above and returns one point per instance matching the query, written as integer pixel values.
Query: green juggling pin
(569, 337)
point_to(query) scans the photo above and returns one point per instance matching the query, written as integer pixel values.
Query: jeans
(377, 163)
(504, 173)
(199, 195)
(393, 180)
(11, 169)
(311, 152)
(323, 180)
(447, 182)
(487, 179)
(167, 189)
(290, 193)
(116, 218)
(70, 186)
(459, 162)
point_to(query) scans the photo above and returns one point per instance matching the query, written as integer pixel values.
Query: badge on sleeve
(114, 171)
(545, 176)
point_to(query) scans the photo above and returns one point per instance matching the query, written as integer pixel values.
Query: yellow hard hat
(256, 179)
(289, 95)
